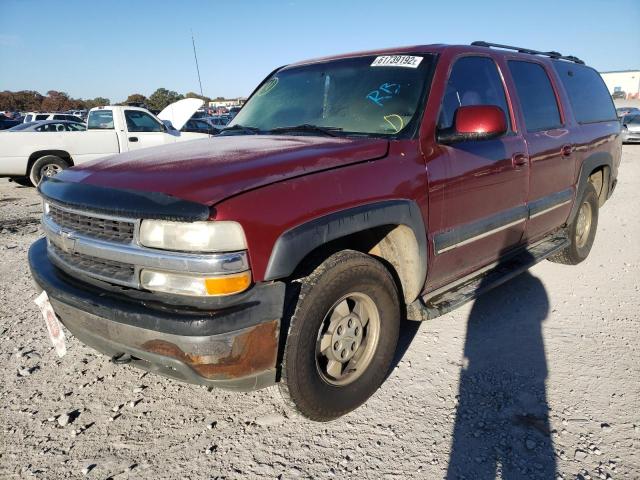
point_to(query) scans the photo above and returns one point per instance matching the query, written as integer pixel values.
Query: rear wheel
(47, 166)
(582, 230)
(342, 336)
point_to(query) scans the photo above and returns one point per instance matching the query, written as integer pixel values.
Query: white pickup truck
(26, 157)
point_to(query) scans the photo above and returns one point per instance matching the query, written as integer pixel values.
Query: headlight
(193, 236)
(195, 285)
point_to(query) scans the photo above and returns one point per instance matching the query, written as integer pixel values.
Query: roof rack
(554, 55)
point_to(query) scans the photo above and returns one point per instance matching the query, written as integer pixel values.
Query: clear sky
(112, 48)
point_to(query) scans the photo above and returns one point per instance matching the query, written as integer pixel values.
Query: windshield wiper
(306, 127)
(238, 127)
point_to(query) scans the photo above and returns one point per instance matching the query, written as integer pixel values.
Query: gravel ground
(539, 376)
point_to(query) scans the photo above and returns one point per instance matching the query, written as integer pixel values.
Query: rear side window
(52, 127)
(100, 120)
(28, 118)
(537, 98)
(473, 81)
(589, 96)
(42, 117)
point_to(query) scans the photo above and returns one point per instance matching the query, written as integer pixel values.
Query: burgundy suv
(347, 193)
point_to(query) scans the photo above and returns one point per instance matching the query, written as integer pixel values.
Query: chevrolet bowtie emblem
(67, 242)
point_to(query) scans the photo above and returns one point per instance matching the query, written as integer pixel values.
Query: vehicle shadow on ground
(502, 419)
(408, 331)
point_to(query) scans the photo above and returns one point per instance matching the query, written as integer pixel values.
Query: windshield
(633, 119)
(377, 95)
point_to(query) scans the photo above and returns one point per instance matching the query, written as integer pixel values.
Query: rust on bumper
(242, 360)
(251, 351)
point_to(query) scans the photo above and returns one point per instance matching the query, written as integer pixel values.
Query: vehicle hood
(209, 170)
(179, 112)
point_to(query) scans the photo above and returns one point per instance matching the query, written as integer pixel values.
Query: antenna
(196, 57)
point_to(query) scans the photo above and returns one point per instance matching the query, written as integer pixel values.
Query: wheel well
(41, 153)
(599, 178)
(394, 245)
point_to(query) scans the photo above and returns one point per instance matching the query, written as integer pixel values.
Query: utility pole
(196, 58)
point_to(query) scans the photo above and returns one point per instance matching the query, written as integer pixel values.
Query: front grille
(97, 267)
(101, 228)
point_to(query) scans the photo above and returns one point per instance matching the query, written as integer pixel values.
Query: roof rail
(555, 55)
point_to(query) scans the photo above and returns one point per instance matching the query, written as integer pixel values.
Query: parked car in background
(219, 121)
(233, 111)
(619, 95)
(631, 128)
(37, 116)
(201, 113)
(50, 126)
(622, 111)
(350, 191)
(79, 113)
(200, 126)
(110, 130)
(7, 123)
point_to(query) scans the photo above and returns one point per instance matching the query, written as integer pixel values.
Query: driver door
(486, 181)
(143, 130)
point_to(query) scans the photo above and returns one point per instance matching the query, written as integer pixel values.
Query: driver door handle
(519, 159)
(133, 139)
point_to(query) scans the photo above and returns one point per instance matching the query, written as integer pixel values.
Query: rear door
(485, 190)
(549, 144)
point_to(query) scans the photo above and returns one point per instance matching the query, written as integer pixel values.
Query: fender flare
(296, 243)
(599, 159)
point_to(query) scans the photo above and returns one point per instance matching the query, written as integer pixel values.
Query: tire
(48, 165)
(350, 286)
(23, 181)
(581, 234)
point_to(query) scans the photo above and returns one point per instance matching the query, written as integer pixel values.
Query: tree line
(55, 101)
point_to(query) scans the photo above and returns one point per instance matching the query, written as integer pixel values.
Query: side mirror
(475, 122)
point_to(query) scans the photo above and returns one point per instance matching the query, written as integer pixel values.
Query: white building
(236, 102)
(627, 81)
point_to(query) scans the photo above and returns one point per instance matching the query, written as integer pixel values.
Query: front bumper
(233, 347)
(629, 137)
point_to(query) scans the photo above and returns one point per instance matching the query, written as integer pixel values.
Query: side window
(100, 120)
(536, 95)
(42, 117)
(138, 121)
(588, 94)
(51, 127)
(473, 81)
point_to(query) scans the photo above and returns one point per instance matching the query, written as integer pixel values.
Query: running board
(448, 298)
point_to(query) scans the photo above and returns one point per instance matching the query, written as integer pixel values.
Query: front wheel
(582, 230)
(342, 336)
